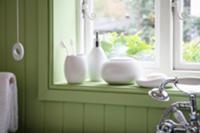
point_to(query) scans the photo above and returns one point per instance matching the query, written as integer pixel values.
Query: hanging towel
(8, 103)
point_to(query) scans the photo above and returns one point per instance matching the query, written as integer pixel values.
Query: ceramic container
(121, 71)
(75, 69)
(96, 59)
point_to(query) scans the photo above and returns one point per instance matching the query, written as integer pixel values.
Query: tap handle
(178, 115)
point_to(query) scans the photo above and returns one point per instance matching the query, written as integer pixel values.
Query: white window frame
(167, 30)
(84, 25)
(179, 64)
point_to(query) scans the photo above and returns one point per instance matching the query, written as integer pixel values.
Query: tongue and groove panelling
(2, 35)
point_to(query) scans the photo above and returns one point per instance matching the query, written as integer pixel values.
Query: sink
(190, 86)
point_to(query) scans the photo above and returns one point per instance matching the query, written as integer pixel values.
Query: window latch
(178, 10)
(87, 14)
(174, 4)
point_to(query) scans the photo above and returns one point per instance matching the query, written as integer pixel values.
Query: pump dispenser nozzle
(97, 39)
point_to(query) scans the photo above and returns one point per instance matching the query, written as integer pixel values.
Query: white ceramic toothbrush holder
(75, 69)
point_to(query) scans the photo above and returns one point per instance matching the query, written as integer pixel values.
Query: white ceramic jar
(75, 69)
(121, 71)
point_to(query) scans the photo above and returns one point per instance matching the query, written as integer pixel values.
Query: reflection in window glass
(191, 31)
(126, 27)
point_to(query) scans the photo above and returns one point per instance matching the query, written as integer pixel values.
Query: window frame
(179, 64)
(168, 35)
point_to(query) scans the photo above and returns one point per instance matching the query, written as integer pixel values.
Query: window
(135, 28)
(162, 34)
(126, 27)
(187, 34)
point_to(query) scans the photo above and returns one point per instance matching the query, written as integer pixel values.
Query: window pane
(191, 31)
(126, 28)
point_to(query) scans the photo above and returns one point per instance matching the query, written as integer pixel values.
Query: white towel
(8, 103)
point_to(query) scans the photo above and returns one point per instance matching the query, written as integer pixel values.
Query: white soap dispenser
(96, 59)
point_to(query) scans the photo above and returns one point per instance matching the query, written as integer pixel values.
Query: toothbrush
(63, 45)
(70, 49)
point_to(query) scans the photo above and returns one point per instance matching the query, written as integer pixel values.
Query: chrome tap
(180, 124)
(160, 93)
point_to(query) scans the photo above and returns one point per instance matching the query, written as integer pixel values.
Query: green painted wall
(58, 117)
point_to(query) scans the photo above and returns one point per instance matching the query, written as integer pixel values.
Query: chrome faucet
(180, 124)
(160, 93)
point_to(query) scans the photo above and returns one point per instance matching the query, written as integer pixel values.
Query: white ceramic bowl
(121, 71)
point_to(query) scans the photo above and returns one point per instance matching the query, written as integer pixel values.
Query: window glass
(191, 31)
(126, 27)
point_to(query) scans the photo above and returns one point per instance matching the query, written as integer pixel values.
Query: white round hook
(18, 51)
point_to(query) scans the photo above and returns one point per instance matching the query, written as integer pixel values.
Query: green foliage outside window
(191, 51)
(134, 44)
(191, 35)
(138, 39)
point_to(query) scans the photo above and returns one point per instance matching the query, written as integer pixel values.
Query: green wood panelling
(88, 108)
(35, 109)
(53, 118)
(73, 118)
(94, 118)
(43, 34)
(136, 120)
(2, 35)
(154, 116)
(115, 119)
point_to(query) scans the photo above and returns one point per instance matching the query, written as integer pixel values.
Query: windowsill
(102, 93)
(104, 87)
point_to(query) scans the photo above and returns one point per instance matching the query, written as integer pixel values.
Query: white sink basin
(189, 85)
